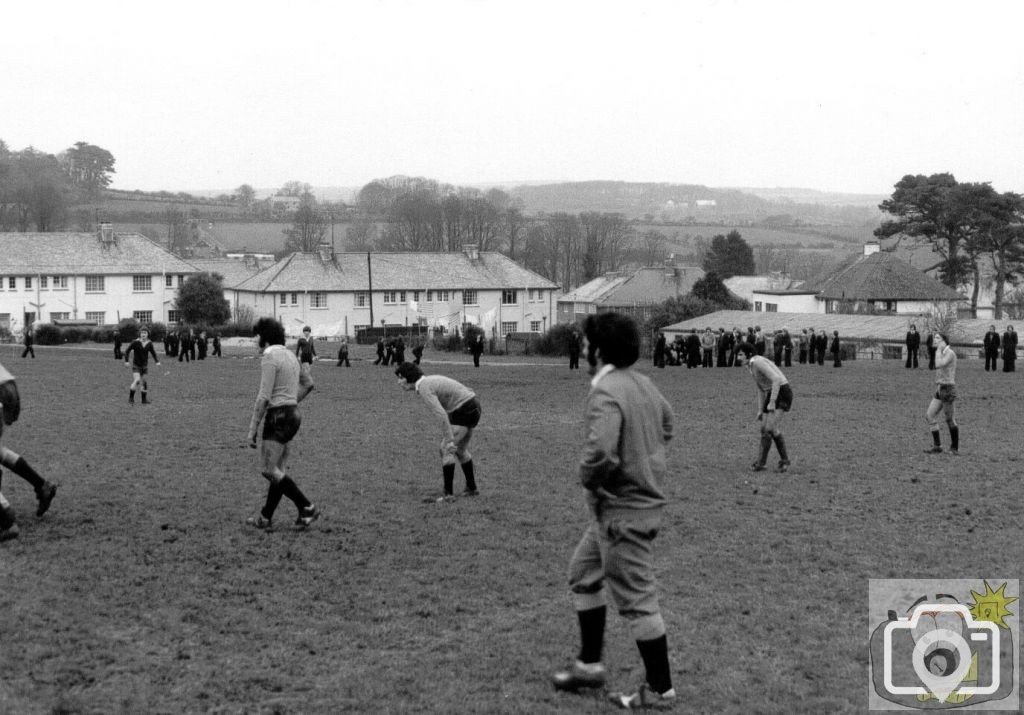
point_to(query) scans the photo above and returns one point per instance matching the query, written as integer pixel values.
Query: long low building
(101, 277)
(341, 293)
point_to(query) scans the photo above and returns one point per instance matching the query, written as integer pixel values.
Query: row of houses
(104, 277)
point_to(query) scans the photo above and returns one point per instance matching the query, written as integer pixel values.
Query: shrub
(556, 340)
(49, 334)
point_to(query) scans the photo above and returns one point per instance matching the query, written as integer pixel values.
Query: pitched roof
(394, 271)
(84, 254)
(643, 286)
(879, 276)
(233, 270)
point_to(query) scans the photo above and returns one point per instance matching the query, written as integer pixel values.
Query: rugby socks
(131, 395)
(655, 656)
(291, 490)
(591, 634)
(935, 437)
(21, 468)
(467, 470)
(780, 444)
(448, 470)
(274, 494)
(954, 437)
(766, 445)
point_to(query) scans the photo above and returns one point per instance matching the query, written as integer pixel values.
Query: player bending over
(774, 398)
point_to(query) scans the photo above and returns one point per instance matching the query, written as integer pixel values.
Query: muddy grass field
(143, 591)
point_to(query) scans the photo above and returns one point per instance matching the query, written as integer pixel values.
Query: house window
(143, 316)
(181, 281)
(390, 297)
(757, 306)
(59, 315)
(509, 297)
(95, 284)
(1, 283)
(42, 282)
(510, 326)
(318, 300)
(28, 282)
(142, 284)
(284, 299)
(60, 282)
(771, 307)
(169, 281)
(173, 316)
(5, 321)
(534, 326)
(416, 296)
(362, 300)
(430, 296)
(12, 283)
(295, 298)
(469, 297)
(100, 318)
(442, 296)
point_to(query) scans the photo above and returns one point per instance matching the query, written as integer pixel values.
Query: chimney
(249, 261)
(106, 233)
(472, 251)
(326, 252)
(871, 247)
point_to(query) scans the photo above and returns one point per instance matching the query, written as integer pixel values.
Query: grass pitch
(142, 590)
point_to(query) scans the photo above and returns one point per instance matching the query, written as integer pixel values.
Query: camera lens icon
(941, 657)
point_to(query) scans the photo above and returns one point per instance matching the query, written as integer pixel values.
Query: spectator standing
(837, 350)
(1009, 349)
(29, 341)
(913, 345)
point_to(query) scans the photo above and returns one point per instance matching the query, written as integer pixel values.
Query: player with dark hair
(458, 410)
(137, 357)
(283, 386)
(944, 399)
(623, 470)
(774, 398)
(10, 401)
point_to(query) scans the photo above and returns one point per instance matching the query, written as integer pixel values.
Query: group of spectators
(994, 347)
(721, 349)
(184, 345)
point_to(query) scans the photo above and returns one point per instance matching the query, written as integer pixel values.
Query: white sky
(835, 95)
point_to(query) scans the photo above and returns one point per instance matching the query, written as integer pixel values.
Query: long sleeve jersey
(443, 396)
(628, 426)
(139, 353)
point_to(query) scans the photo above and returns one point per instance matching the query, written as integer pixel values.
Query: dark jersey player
(137, 356)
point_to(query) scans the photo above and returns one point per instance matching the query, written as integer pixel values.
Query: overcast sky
(837, 96)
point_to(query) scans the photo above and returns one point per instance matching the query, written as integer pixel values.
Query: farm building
(341, 293)
(636, 293)
(875, 279)
(100, 277)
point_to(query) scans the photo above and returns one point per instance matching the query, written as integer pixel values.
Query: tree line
(38, 190)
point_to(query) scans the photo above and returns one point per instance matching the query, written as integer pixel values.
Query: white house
(637, 292)
(875, 279)
(100, 277)
(340, 293)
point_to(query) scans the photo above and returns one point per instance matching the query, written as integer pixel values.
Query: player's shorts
(140, 369)
(946, 394)
(11, 402)
(783, 401)
(281, 424)
(467, 414)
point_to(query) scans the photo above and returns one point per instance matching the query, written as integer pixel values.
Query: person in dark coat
(692, 349)
(822, 346)
(1009, 344)
(380, 353)
(929, 344)
(575, 347)
(216, 346)
(417, 353)
(725, 342)
(117, 346)
(399, 351)
(201, 344)
(477, 348)
(913, 346)
(836, 350)
(185, 346)
(659, 351)
(991, 348)
(29, 342)
(804, 344)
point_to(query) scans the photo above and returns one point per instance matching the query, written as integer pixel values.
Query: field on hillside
(142, 590)
(844, 238)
